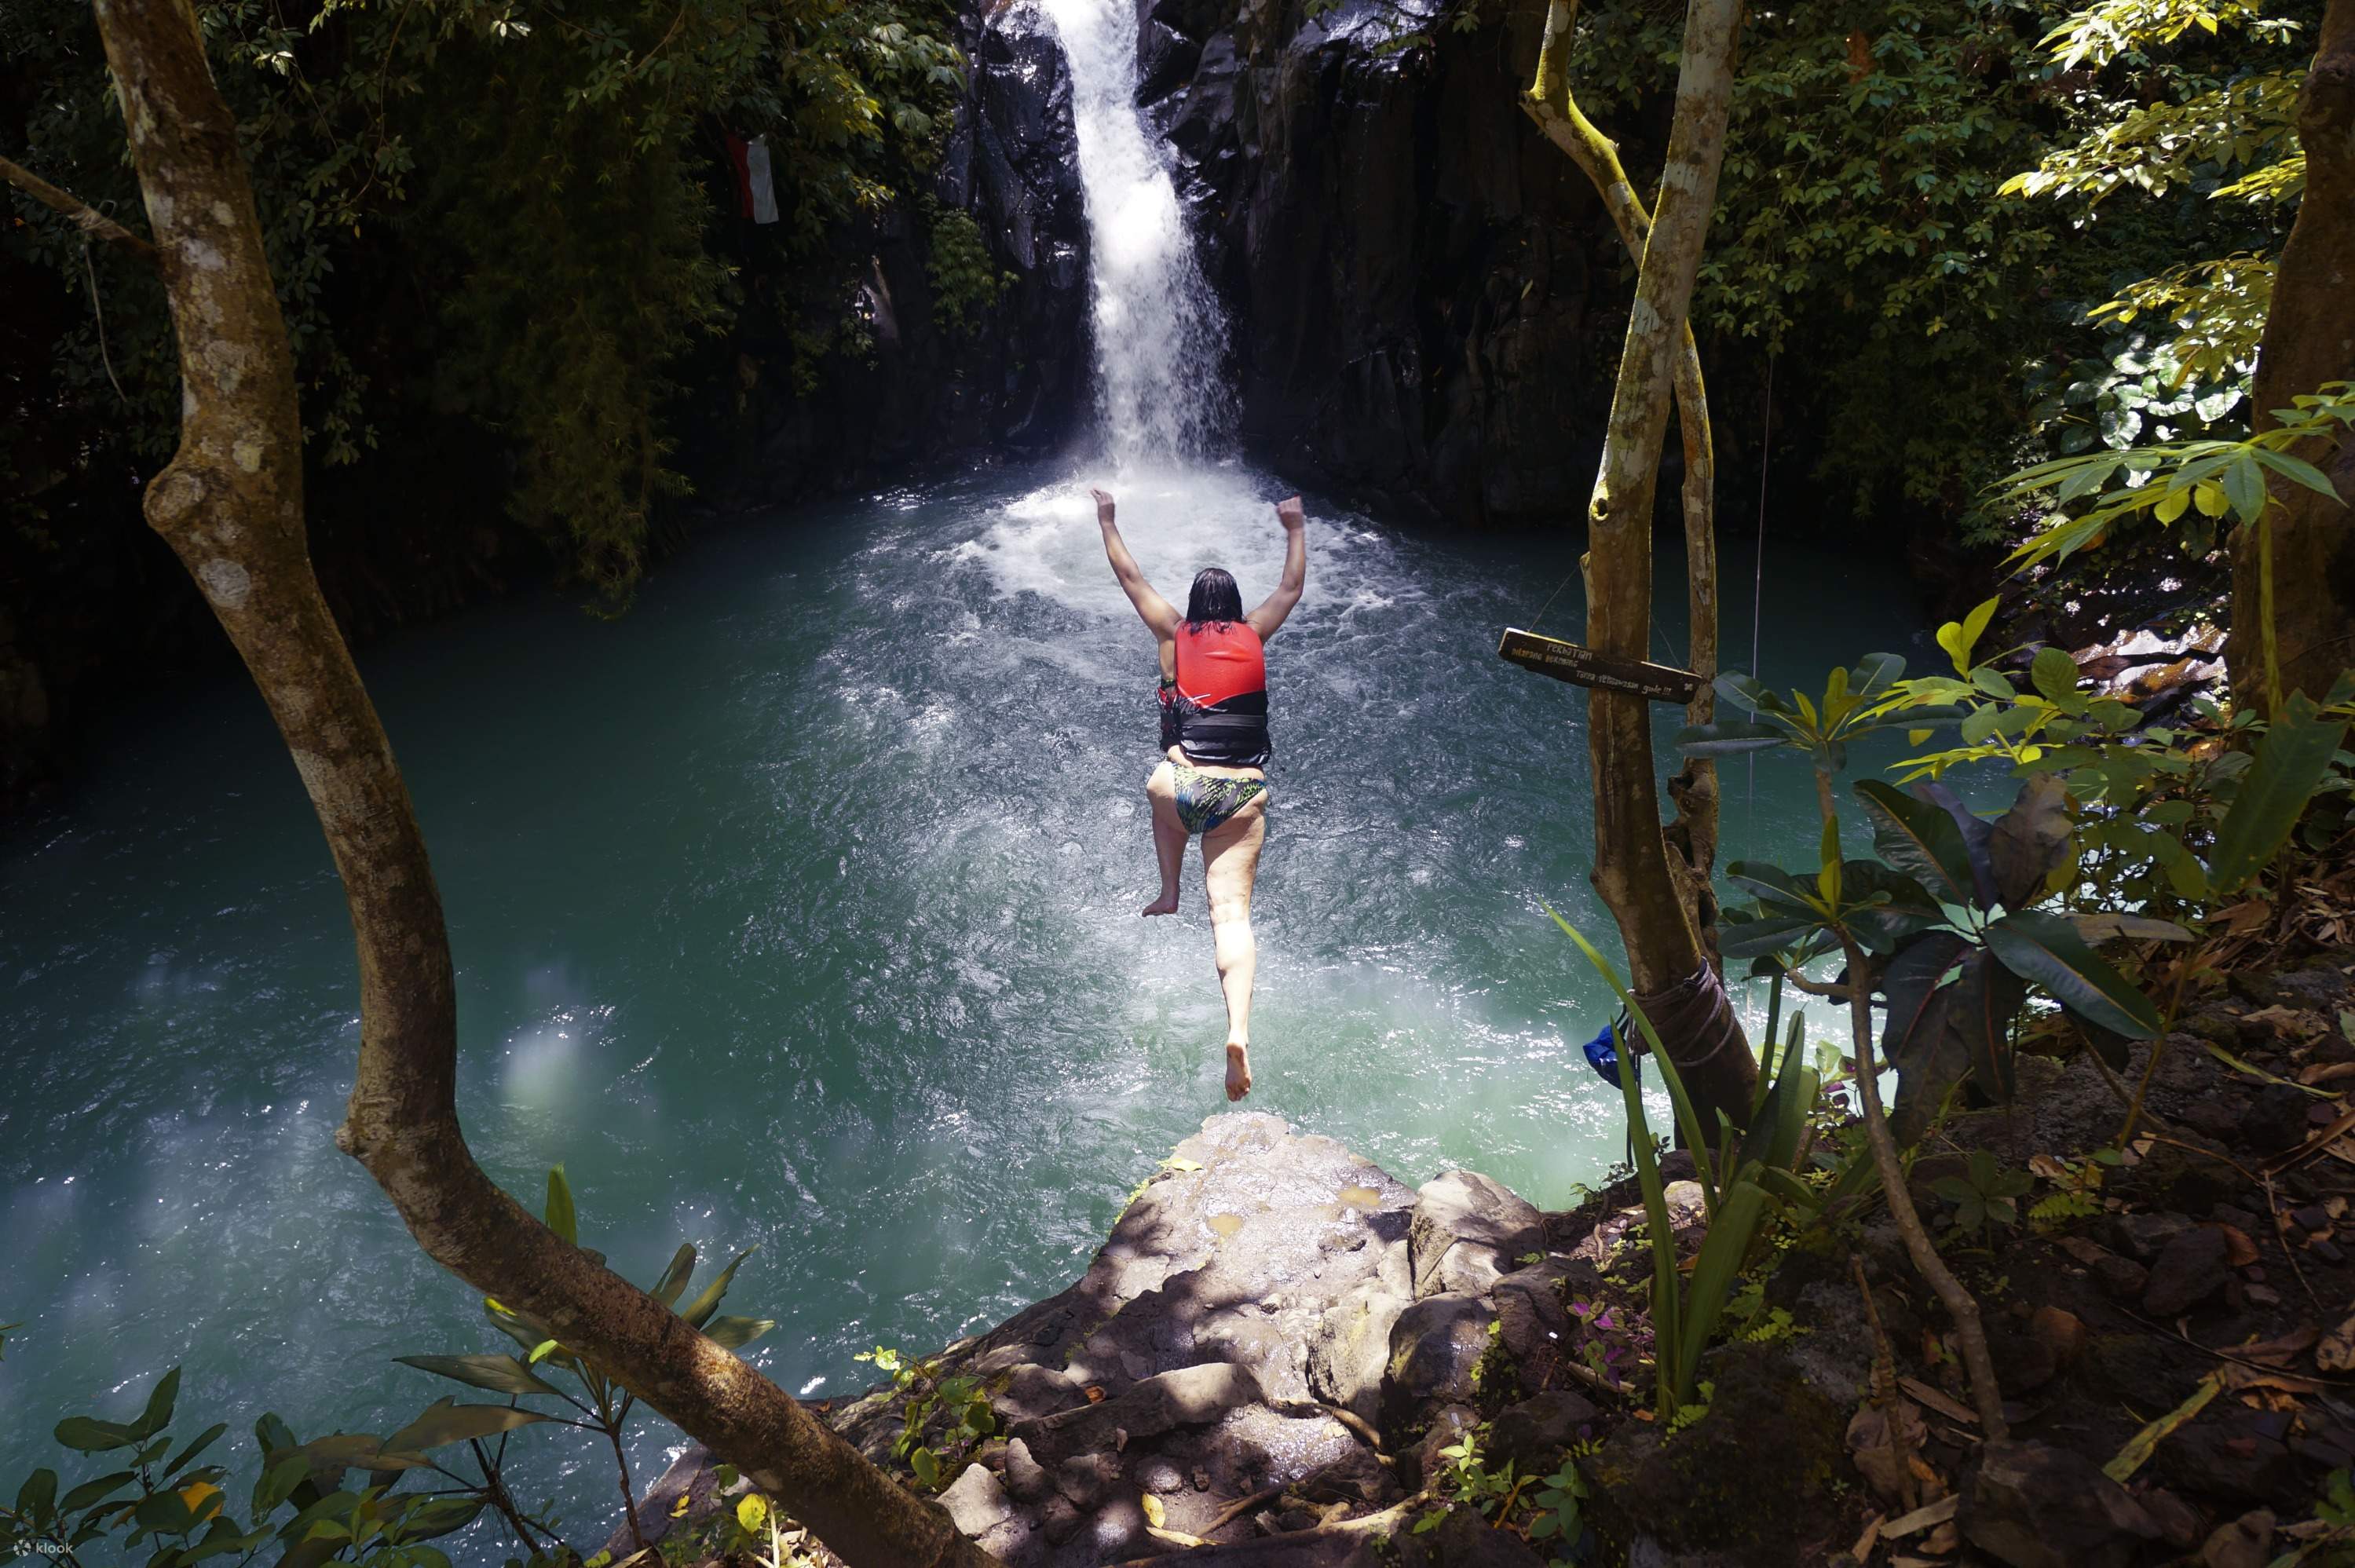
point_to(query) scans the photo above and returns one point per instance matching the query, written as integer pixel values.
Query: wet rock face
(1426, 317)
(1014, 377)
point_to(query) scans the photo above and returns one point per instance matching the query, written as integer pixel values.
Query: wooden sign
(1604, 672)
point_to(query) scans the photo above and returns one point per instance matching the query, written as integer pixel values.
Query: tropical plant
(1985, 1194)
(956, 1406)
(158, 1505)
(1735, 1188)
(602, 1406)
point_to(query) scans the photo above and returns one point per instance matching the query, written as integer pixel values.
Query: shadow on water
(800, 907)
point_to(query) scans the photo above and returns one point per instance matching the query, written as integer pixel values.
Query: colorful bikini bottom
(1206, 801)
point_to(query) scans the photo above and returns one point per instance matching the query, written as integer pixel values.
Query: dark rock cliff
(1013, 375)
(1426, 298)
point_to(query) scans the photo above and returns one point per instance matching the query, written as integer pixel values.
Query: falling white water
(1158, 335)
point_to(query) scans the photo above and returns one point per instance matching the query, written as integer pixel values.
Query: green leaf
(672, 1283)
(36, 1498)
(735, 1333)
(1873, 676)
(1723, 1250)
(2291, 762)
(197, 1445)
(1920, 839)
(2054, 675)
(88, 1435)
(562, 1218)
(2046, 950)
(699, 1312)
(158, 1413)
(445, 1421)
(2245, 487)
(93, 1492)
(1730, 737)
(499, 1374)
(927, 1466)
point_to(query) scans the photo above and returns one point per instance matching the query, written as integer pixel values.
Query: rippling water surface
(800, 908)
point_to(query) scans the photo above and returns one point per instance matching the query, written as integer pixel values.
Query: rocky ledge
(1272, 1345)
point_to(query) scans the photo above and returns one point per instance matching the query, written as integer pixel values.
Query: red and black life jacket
(1216, 709)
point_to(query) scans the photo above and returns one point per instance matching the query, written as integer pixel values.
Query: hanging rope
(1758, 578)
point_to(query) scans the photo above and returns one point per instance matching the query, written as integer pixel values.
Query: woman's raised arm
(1157, 612)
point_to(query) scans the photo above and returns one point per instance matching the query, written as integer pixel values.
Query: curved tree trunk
(1659, 901)
(1693, 836)
(2310, 340)
(231, 505)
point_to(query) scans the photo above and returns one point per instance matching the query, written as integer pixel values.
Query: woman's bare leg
(1168, 836)
(1230, 865)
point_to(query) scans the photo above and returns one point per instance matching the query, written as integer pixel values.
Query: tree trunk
(2310, 340)
(1673, 976)
(231, 505)
(1693, 836)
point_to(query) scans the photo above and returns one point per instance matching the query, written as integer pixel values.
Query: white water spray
(1158, 334)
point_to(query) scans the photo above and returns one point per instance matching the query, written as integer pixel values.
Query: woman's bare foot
(1165, 904)
(1239, 1078)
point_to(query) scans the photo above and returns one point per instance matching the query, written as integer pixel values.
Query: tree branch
(230, 505)
(84, 217)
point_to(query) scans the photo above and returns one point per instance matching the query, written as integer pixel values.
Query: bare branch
(84, 217)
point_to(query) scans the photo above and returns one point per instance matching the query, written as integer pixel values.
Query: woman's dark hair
(1215, 598)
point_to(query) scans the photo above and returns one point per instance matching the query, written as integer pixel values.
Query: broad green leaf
(37, 1497)
(499, 1374)
(1773, 884)
(668, 1288)
(445, 1421)
(2046, 950)
(94, 1491)
(562, 1218)
(2245, 487)
(735, 1333)
(2054, 675)
(1730, 737)
(88, 1435)
(1874, 674)
(927, 1467)
(2291, 762)
(752, 1513)
(158, 1413)
(1723, 1250)
(1827, 872)
(1920, 839)
(197, 1445)
(699, 1312)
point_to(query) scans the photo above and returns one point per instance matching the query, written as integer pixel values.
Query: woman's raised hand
(1289, 512)
(1103, 504)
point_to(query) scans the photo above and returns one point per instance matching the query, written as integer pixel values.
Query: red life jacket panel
(1216, 709)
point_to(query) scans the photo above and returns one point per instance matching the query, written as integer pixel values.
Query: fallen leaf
(2247, 915)
(2084, 1250)
(1155, 1514)
(2337, 1351)
(1094, 1392)
(1942, 1540)
(1882, 1439)
(2325, 1072)
(2281, 1352)
(2139, 1447)
(1862, 1551)
(1922, 1517)
(2045, 1166)
(2293, 1021)
(2238, 1250)
(1950, 1409)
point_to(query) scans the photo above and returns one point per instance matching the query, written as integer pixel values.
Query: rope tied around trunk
(1693, 1018)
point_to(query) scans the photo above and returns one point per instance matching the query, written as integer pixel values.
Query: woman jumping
(1213, 781)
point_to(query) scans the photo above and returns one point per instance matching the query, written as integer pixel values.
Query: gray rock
(1468, 1229)
(1350, 1347)
(2246, 1542)
(1420, 1463)
(1034, 1391)
(2190, 1268)
(1464, 1539)
(2140, 1236)
(2031, 1506)
(1534, 1432)
(1025, 1476)
(1160, 1476)
(2122, 1278)
(982, 1510)
(1531, 1318)
(1190, 1396)
(1086, 1477)
(1435, 1345)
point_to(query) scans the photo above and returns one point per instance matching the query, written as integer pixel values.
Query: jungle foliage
(500, 211)
(1978, 211)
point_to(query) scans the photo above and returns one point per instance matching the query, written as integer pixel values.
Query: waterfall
(1158, 336)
